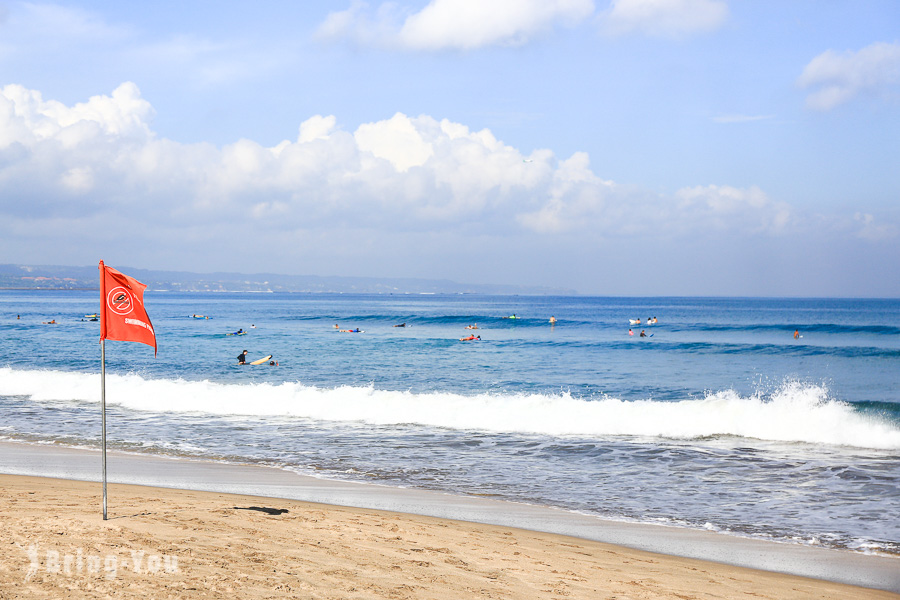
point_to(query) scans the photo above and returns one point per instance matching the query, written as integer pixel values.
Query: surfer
(470, 338)
(630, 332)
(553, 320)
(796, 334)
(472, 326)
(643, 333)
(357, 330)
(400, 325)
(242, 358)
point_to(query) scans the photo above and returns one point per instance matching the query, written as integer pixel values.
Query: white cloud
(316, 128)
(396, 140)
(872, 230)
(27, 117)
(467, 24)
(454, 24)
(720, 207)
(576, 197)
(836, 78)
(100, 162)
(664, 18)
(93, 179)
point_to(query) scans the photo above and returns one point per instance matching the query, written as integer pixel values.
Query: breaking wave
(795, 412)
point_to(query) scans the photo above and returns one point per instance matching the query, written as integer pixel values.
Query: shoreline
(163, 473)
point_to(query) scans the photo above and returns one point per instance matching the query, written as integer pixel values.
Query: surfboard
(261, 360)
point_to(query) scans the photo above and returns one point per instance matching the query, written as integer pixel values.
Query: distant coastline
(55, 277)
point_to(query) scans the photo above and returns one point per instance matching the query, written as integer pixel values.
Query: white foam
(794, 413)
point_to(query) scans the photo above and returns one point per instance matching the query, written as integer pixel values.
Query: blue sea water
(718, 419)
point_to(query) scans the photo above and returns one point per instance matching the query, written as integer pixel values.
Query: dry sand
(165, 543)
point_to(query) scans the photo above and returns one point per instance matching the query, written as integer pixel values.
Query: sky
(611, 147)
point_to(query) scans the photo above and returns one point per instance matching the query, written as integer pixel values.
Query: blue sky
(626, 147)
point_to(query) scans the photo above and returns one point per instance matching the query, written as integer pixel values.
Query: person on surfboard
(242, 358)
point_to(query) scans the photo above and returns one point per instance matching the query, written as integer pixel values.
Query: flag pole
(103, 379)
(103, 415)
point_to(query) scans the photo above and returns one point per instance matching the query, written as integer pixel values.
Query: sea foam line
(795, 412)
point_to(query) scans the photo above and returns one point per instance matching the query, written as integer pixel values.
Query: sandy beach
(167, 543)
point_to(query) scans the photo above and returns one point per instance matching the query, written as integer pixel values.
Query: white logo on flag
(120, 301)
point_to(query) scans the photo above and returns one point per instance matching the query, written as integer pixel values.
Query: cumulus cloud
(397, 140)
(453, 24)
(575, 196)
(836, 78)
(664, 18)
(27, 118)
(99, 164)
(95, 179)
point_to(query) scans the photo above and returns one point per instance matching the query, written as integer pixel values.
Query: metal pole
(103, 415)
(103, 378)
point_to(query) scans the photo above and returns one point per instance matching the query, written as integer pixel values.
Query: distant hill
(46, 277)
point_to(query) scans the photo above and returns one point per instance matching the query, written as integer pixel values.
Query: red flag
(122, 314)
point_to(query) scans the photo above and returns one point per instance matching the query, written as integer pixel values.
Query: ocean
(718, 419)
